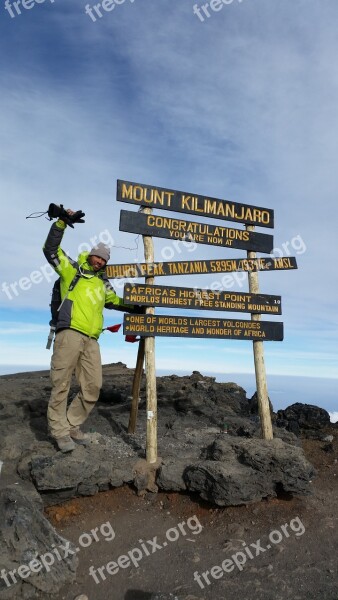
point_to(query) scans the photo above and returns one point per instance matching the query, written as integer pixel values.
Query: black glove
(77, 217)
(139, 310)
(58, 212)
(129, 308)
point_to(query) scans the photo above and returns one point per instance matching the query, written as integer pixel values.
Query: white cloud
(334, 416)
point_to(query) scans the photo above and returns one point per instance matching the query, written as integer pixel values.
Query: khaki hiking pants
(73, 351)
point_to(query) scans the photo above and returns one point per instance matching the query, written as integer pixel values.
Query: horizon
(279, 386)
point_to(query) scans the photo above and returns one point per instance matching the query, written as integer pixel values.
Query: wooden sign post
(135, 393)
(151, 393)
(258, 351)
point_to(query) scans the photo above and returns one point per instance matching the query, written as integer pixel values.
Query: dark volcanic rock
(303, 418)
(253, 406)
(208, 440)
(85, 471)
(27, 542)
(164, 597)
(238, 471)
(133, 594)
(203, 396)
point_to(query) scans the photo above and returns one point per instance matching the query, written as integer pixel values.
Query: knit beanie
(100, 250)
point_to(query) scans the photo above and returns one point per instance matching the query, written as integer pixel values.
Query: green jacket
(82, 307)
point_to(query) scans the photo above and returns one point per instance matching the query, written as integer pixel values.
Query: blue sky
(240, 106)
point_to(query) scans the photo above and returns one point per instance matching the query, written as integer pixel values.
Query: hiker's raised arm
(52, 250)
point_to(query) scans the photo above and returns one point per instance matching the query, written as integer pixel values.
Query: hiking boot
(65, 443)
(79, 437)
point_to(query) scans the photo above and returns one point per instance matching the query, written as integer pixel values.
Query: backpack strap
(53, 322)
(74, 281)
(72, 284)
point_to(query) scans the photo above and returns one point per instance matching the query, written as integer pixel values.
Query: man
(85, 292)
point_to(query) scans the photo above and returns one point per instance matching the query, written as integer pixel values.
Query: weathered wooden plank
(191, 327)
(198, 267)
(177, 229)
(201, 299)
(193, 204)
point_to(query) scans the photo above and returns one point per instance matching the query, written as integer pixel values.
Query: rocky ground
(233, 514)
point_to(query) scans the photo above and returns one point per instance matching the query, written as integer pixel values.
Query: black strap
(78, 275)
(71, 285)
(74, 281)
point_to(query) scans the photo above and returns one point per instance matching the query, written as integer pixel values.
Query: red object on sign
(114, 328)
(132, 338)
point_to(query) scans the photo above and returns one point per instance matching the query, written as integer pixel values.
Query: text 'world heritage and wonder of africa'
(178, 326)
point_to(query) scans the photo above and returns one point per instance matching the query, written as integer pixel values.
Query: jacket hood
(82, 261)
